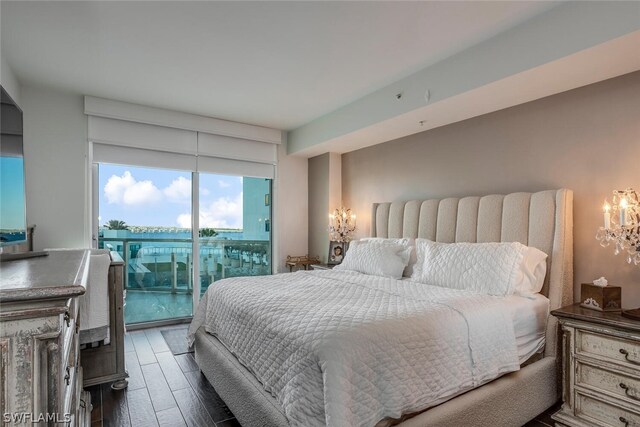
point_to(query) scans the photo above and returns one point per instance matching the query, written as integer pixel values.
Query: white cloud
(223, 212)
(184, 220)
(126, 190)
(179, 190)
(204, 191)
(223, 184)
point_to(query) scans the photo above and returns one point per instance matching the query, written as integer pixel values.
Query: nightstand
(601, 368)
(322, 266)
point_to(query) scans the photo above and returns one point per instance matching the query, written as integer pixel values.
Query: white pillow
(533, 270)
(387, 260)
(499, 269)
(405, 241)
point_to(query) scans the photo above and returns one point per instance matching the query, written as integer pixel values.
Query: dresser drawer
(606, 380)
(68, 337)
(69, 362)
(604, 414)
(608, 347)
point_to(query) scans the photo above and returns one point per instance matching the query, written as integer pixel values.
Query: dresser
(601, 368)
(41, 377)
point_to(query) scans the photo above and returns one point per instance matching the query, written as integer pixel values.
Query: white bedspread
(341, 348)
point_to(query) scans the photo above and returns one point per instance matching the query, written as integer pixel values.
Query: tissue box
(599, 298)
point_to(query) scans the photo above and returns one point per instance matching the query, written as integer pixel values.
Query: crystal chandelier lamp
(622, 225)
(342, 224)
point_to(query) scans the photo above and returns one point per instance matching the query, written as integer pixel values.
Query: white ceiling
(276, 64)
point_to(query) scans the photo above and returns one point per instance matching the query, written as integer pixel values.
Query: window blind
(235, 167)
(106, 153)
(140, 135)
(119, 138)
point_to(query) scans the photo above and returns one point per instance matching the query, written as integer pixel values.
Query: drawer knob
(626, 391)
(67, 377)
(67, 318)
(626, 356)
(624, 421)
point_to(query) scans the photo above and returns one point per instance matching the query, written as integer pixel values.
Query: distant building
(256, 217)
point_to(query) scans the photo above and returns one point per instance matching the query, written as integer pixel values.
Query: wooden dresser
(601, 368)
(41, 376)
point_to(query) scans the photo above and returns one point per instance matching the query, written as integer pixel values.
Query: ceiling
(275, 64)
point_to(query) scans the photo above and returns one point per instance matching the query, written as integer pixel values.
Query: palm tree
(116, 224)
(208, 232)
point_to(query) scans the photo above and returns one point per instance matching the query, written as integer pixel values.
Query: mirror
(13, 215)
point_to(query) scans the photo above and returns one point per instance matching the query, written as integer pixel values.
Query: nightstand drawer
(609, 347)
(608, 381)
(603, 414)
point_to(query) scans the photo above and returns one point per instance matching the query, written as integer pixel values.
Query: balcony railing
(166, 265)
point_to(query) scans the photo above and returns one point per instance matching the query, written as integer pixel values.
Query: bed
(542, 220)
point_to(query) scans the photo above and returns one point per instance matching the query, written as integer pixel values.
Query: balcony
(159, 279)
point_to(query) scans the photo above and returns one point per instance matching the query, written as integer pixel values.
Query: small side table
(301, 261)
(601, 368)
(322, 266)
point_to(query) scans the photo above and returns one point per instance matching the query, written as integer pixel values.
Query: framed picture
(336, 252)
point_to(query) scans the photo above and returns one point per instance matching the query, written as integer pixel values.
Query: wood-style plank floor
(544, 419)
(164, 390)
(168, 390)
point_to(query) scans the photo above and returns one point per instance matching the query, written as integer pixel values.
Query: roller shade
(135, 135)
(235, 167)
(140, 135)
(105, 153)
(236, 148)
(108, 108)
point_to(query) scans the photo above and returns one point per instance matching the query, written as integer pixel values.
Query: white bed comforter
(340, 348)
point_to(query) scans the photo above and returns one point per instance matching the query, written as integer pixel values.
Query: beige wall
(319, 206)
(587, 139)
(325, 195)
(9, 80)
(55, 158)
(290, 217)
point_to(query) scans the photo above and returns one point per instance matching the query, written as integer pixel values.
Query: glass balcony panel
(231, 248)
(144, 215)
(235, 234)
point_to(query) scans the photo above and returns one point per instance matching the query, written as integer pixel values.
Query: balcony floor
(149, 306)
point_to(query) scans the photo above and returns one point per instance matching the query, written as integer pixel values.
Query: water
(126, 234)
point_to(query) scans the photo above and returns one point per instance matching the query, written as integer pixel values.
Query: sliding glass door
(235, 227)
(145, 214)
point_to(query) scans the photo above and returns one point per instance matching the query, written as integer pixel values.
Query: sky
(12, 203)
(159, 197)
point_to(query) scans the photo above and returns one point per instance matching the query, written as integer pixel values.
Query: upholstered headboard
(543, 220)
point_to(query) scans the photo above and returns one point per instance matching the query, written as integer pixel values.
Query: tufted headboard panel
(543, 220)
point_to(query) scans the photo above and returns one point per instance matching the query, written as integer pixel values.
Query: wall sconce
(342, 224)
(622, 224)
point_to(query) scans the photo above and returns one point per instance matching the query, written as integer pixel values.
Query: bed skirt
(509, 401)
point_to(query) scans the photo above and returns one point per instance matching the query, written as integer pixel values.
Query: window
(145, 214)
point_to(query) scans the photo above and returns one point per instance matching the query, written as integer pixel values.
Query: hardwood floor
(168, 390)
(544, 419)
(164, 390)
